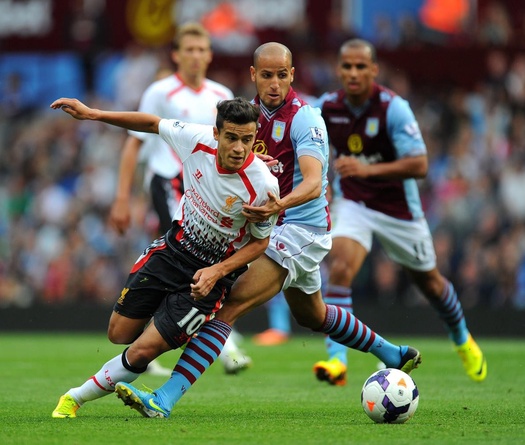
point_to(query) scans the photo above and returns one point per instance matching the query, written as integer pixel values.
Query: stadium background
(460, 63)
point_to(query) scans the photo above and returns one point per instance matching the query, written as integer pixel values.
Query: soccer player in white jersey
(189, 96)
(183, 278)
(294, 134)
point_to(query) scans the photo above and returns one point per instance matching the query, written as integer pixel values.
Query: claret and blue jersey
(293, 130)
(382, 130)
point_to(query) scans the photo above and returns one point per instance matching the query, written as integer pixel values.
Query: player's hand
(262, 213)
(120, 216)
(74, 108)
(203, 282)
(267, 159)
(350, 166)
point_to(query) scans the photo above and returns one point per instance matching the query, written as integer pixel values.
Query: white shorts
(300, 251)
(408, 243)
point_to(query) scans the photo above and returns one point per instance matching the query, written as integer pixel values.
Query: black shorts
(159, 286)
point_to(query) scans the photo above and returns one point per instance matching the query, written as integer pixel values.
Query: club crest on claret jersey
(278, 131)
(372, 126)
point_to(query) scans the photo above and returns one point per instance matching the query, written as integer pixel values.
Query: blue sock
(338, 296)
(344, 328)
(451, 312)
(279, 313)
(199, 354)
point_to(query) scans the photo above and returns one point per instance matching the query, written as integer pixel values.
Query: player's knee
(341, 273)
(139, 356)
(118, 337)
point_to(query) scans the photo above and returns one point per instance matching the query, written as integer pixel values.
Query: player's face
(273, 77)
(235, 143)
(357, 72)
(193, 56)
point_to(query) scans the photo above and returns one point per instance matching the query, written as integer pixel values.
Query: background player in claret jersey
(379, 153)
(191, 97)
(294, 134)
(184, 277)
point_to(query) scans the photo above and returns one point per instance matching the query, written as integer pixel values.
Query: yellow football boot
(473, 360)
(332, 371)
(66, 408)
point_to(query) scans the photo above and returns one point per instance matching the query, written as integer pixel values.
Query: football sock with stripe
(338, 296)
(103, 382)
(451, 312)
(344, 328)
(200, 352)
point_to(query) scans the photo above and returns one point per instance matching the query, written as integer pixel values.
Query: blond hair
(189, 29)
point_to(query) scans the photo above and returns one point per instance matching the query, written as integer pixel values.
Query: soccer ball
(389, 396)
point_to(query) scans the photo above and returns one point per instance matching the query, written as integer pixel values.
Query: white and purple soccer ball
(389, 396)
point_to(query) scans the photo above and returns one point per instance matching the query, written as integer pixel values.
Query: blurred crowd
(58, 177)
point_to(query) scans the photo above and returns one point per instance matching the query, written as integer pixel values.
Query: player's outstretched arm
(131, 120)
(120, 214)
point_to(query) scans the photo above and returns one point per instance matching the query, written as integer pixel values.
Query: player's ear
(215, 133)
(292, 72)
(375, 69)
(175, 56)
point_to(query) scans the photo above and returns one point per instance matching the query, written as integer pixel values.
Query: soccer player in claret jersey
(183, 278)
(294, 134)
(191, 97)
(379, 154)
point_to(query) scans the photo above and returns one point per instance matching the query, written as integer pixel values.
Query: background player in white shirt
(185, 276)
(189, 96)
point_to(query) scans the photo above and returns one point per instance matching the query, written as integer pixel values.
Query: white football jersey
(209, 214)
(172, 99)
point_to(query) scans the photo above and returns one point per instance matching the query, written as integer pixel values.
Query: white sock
(104, 381)
(230, 349)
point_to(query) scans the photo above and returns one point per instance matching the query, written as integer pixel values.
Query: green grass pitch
(277, 401)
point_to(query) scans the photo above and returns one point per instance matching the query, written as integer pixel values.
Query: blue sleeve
(309, 135)
(325, 97)
(403, 129)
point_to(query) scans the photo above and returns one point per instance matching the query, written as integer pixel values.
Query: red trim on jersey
(176, 90)
(205, 149)
(249, 159)
(248, 184)
(217, 92)
(184, 84)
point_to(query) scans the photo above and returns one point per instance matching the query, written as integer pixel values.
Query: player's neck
(193, 81)
(357, 101)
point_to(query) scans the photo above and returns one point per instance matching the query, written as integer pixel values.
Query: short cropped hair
(359, 43)
(189, 29)
(238, 111)
(271, 48)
